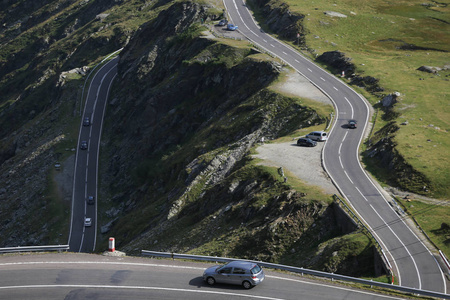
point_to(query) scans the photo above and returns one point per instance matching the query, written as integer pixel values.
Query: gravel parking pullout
(304, 162)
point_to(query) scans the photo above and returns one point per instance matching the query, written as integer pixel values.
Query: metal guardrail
(34, 248)
(301, 271)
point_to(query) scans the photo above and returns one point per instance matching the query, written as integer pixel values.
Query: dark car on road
(352, 124)
(306, 142)
(223, 22)
(90, 200)
(247, 274)
(86, 121)
(83, 145)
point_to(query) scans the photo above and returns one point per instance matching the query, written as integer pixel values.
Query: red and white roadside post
(343, 74)
(112, 246)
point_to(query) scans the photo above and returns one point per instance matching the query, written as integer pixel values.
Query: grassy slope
(436, 227)
(371, 36)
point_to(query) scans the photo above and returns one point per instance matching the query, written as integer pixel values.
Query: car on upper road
(232, 27)
(352, 124)
(83, 145)
(317, 136)
(306, 142)
(86, 121)
(247, 274)
(90, 200)
(87, 222)
(223, 22)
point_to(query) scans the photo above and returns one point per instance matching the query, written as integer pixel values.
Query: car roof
(242, 264)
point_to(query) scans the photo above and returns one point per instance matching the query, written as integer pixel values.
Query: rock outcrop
(281, 20)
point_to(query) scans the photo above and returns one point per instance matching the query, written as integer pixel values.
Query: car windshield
(256, 269)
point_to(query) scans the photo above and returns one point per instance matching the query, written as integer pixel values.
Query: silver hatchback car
(243, 273)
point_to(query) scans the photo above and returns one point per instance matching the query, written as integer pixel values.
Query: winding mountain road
(85, 276)
(411, 260)
(82, 238)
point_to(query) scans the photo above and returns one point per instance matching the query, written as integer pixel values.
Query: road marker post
(112, 246)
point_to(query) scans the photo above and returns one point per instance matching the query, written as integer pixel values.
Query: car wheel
(246, 284)
(210, 281)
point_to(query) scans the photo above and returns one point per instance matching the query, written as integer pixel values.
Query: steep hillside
(177, 175)
(185, 113)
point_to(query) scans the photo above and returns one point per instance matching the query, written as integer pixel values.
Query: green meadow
(390, 40)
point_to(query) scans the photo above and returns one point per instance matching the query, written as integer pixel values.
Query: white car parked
(317, 136)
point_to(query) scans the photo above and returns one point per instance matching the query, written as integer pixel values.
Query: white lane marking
(335, 88)
(364, 197)
(322, 79)
(351, 106)
(340, 147)
(345, 135)
(340, 161)
(78, 286)
(272, 45)
(265, 41)
(296, 60)
(173, 267)
(348, 177)
(284, 53)
(334, 287)
(404, 246)
(309, 70)
(367, 116)
(238, 12)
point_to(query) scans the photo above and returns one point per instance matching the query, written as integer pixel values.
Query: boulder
(429, 69)
(334, 14)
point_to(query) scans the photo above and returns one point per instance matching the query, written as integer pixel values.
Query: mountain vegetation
(186, 111)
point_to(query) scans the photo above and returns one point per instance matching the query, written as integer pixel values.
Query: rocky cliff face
(186, 111)
(280, 19)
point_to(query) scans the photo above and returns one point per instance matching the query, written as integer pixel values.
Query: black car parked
(223, 22)
(306, 142)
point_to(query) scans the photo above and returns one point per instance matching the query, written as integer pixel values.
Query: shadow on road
(198, 282)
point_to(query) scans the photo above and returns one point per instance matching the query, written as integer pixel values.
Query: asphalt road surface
(82, 238)
(413, 263)
(87, 276)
